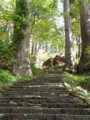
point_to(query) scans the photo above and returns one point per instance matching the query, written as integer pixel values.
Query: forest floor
(43, 98)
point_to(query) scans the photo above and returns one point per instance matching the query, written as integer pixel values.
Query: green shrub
(6, 77)
(35, 71)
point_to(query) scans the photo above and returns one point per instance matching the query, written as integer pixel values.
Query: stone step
(37, 90)
(53, 84)
(41, 81)
(44, 105)
(44, 88)
(43, 117)
(32, 92)
(27, 110)
(35, 101)
(64, 105)
(39, 98)
(11, 94)
(45, 84)
(31, 96)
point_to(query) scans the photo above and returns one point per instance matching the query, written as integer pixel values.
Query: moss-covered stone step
(44, 117)
(11, 94)
(41, 81)
(37, 96)
(64, 105)
(53, 84)
(25, 110)
(36, 90)
(44, 88)
(44, 105)
(47, 99)
(32, 92)
(41, 101)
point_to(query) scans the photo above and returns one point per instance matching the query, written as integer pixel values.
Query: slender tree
(68, 34)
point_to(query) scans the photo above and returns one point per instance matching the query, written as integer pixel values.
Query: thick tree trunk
(85, 35)
(23, 57)
(23, 54)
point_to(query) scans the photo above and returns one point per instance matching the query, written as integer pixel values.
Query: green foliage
(3, 34)
(20, 23)
(35, 71)
(6, 77)
(87, 51)
(74, 81)
(78, 86)
(42, 19)
(3, 45)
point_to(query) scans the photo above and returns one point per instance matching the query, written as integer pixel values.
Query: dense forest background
(33, 31)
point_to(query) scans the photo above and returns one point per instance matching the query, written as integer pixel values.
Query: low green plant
(36, 71)
(7, 79)
(78, 86)
(75, 80)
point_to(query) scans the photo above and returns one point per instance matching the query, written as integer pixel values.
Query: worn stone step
(27, 110)
(11, 94)
(44, 88)
(64, 105)
(41, 81)
(36, 90)
(30, 92)
(44, 105)
(44, 117)
(39, 98)
(42, 101)
(53, 84)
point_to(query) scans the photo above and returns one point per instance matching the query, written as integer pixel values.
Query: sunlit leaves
(3, 36)
(43, 26)
(41, 30)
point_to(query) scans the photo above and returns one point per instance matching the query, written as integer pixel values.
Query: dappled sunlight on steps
(43, 98)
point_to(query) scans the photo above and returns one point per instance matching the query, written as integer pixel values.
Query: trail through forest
(42, 98)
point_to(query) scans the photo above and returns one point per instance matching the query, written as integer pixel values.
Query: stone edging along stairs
(43, 98)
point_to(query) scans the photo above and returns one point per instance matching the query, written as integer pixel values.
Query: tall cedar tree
(85, 35)
(21, 38)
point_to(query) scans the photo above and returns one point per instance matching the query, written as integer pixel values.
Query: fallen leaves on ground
(63, 94)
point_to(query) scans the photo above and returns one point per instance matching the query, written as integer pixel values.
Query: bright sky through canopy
(59, 20)
(7, 0)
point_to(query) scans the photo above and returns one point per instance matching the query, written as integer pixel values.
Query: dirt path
(43, 98)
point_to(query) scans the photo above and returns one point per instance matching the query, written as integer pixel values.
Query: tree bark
(23, 54)
(68, 34)
(85, 35)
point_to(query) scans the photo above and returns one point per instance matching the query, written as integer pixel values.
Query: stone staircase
(42, 98)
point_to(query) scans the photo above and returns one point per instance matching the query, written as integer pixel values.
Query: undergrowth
(7, 79)
(36, 71)
(78, 80)
(78, 85)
